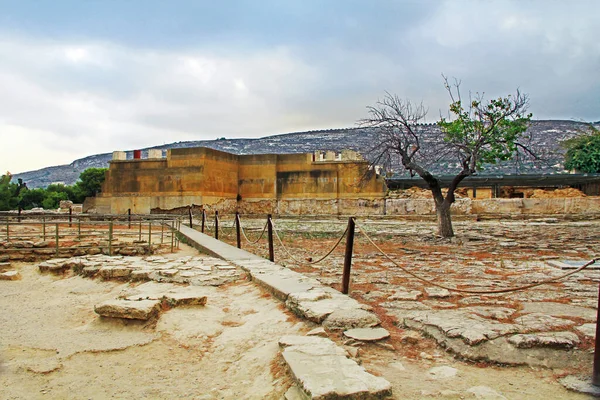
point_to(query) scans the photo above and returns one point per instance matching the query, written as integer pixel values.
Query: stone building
(264, 183)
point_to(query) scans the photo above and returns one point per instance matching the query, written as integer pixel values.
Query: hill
(546, 138)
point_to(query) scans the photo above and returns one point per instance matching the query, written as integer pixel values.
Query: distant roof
(528, 180)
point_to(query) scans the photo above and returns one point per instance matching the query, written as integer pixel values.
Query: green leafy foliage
(486, 132)
(583, 152)
(15, 195)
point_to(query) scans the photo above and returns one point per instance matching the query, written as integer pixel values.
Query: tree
(8, 193)
(89, 183)
(473, 134)
(583, 152)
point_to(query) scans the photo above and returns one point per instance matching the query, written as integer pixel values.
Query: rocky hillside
(546, 138)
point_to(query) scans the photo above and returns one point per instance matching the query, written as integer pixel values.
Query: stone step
(324, 371)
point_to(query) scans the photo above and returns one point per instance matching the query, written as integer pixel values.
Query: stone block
(142, 310)
(324, 371)
(10, 276)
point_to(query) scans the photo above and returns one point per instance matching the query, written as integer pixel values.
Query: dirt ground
(53, 345)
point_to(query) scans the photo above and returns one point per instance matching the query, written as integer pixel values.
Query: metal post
(56, 238)
(129, 218)
(190, 215)
(270, 234)
(203, 219)
(348, 256)
(237, 230)
(110, 237)
(596, 372)
(216, 224)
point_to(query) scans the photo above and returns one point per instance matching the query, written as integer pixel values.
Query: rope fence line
(470, 291)
(259, 237)
(308, 262)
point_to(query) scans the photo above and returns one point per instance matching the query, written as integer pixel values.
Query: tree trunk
(444, 219)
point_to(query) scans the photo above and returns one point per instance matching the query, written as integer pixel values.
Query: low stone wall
(362, 206)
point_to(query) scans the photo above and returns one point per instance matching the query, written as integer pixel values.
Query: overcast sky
(84, 77)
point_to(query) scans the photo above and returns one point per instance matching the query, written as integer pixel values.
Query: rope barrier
(222, 228)
(469, 291)
(246, 237)
(308, 262)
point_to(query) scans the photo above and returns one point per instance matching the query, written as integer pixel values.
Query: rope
(222, 228)
(246, 237)
(308, 262)
(507, 290)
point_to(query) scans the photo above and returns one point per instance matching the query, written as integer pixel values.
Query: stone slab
(143, 309)
(323, 371)
(367, 334)
(580, 384)
(348, 319)
(10, 276)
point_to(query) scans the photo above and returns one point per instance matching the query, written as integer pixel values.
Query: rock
(563, 340)
(536, 322)
(4, 257)
(560, 310)
(324, 371)
(90, 271)
(10, 276)
(318, 332)
(485, 393)
(437, 293)
(411, 337)
(367, 334)
(41, 244)
(295, 393)
(589, 330)
(94, 250)
(141, 274)
(580, 384)
(143, 309)
(115, 272)
(169, 273)
(471, 328)
(442, 372)
(188, 296)
(348, 319)
(405, 296)
(128, 251)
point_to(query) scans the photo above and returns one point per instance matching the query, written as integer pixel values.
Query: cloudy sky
(84, 77)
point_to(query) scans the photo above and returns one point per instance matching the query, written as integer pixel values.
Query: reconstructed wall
(272, 183)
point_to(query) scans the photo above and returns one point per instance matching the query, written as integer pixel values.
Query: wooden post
(56, 237)
(150, 232)
(110, 237)
(190, 215)
(79, 228)
(172, 235)
(270, 235)
(348, 256)
(140, 231)
(43, 227)
(203, 219)
(216, 224)
(70, 217)
(129, 218)
(238, 232)
(162, 231)
(7, 228)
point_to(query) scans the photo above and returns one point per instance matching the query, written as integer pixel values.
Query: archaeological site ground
(503, 310)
